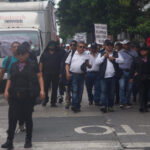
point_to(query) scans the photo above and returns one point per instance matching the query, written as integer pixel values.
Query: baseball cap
(94, 45)
(125, 42)
(89, 45)
(109, 43)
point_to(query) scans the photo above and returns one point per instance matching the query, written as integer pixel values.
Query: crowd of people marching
(112, 72)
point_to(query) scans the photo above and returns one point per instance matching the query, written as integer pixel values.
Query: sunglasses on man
(81, 46)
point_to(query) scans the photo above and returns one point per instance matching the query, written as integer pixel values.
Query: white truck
(33, 22)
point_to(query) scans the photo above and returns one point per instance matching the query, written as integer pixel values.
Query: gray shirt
(128, 57)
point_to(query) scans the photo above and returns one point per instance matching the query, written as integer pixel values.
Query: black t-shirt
(25, 77)
(51, 62)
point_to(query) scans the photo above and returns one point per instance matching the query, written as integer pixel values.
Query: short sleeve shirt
(77, 61)
(51, 62)
(13, 60)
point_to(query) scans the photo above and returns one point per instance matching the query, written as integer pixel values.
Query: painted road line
(137, 145)
(72, 145)
(108, 130)
(84, 145)
(129, 131)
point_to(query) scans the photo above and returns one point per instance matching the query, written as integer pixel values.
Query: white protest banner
(100, 33)
(80, 37)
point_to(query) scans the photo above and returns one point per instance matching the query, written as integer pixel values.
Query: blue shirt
(12, 60)
(128, 57)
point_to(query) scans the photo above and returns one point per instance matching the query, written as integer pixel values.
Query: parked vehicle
(26, 21)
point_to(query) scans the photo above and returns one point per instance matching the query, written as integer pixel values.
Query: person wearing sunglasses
(73, 69)
(50, 66)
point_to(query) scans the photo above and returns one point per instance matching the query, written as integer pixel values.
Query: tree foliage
(120, 15)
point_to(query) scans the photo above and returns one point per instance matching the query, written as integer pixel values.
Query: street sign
(100, 33)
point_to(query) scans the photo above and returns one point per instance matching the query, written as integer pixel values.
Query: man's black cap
(94, 45)
(109, 43)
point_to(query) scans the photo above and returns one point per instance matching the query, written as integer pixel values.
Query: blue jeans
(93, 80)
(125, 88)
(107, 91)
(77, 89)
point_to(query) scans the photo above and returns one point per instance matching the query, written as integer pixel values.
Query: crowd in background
(118, 71)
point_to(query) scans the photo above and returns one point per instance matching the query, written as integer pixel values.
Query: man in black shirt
(50, 66)
(140, 73)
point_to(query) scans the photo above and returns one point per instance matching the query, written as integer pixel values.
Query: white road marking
(129, 131)
(137, 145)
(80, 130)
(83, 145)
(73, 145)
(108, 130)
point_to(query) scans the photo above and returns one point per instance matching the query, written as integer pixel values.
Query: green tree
(120, 16)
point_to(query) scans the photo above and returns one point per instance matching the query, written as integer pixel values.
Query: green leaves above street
(120, 16)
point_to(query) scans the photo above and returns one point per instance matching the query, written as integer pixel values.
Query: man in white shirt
(73, 69)
(92, 77)
(109, 70)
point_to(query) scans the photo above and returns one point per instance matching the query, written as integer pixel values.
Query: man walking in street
(92, 77)
(74, 71)
(125, 87)
(50, 66)
(109, 71)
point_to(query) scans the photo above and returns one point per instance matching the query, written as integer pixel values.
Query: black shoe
(103, 109)
(44, 104)
(90, 102)
(8, 144)
(128, 106)
(74, 109)
(122, 106)
(22, 128)
(53, 105)
(28, 144)
(141, 110)
(67, 106)
(97, 104)
(60, 99)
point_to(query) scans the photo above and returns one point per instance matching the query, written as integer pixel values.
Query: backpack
(7, 63)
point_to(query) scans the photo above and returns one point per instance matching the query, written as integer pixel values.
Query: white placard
(80, 37)
(100, 33)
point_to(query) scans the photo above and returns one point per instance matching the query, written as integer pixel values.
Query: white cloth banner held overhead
(100, 33)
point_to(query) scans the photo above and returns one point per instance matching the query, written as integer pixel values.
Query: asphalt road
(60, 129)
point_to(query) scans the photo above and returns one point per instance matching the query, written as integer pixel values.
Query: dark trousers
(117, 92)
(77, 89)
(69, 91)
(108, 91)
(144, 94)
(20, 109)
(51, 80)
(93, 80)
